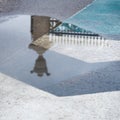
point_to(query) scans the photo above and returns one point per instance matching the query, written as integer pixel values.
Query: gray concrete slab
(58, 9)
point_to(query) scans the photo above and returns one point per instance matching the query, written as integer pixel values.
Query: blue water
(102, 17)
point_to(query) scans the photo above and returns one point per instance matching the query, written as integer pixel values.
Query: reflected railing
(78, 40)
(63, 33)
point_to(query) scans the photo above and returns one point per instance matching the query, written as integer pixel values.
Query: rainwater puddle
(27, 50)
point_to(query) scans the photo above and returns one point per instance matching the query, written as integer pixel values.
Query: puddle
(27, 50)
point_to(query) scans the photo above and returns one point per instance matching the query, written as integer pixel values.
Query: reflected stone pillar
(40, 25)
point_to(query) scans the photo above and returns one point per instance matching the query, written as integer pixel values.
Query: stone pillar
(40, 25)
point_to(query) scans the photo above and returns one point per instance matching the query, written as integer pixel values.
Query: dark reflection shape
(40, 66)
(40, 25)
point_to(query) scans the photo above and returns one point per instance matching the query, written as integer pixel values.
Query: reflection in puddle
(51, 67)
(39, 27)
(47, 31)
(63, 33)
(40, 64)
